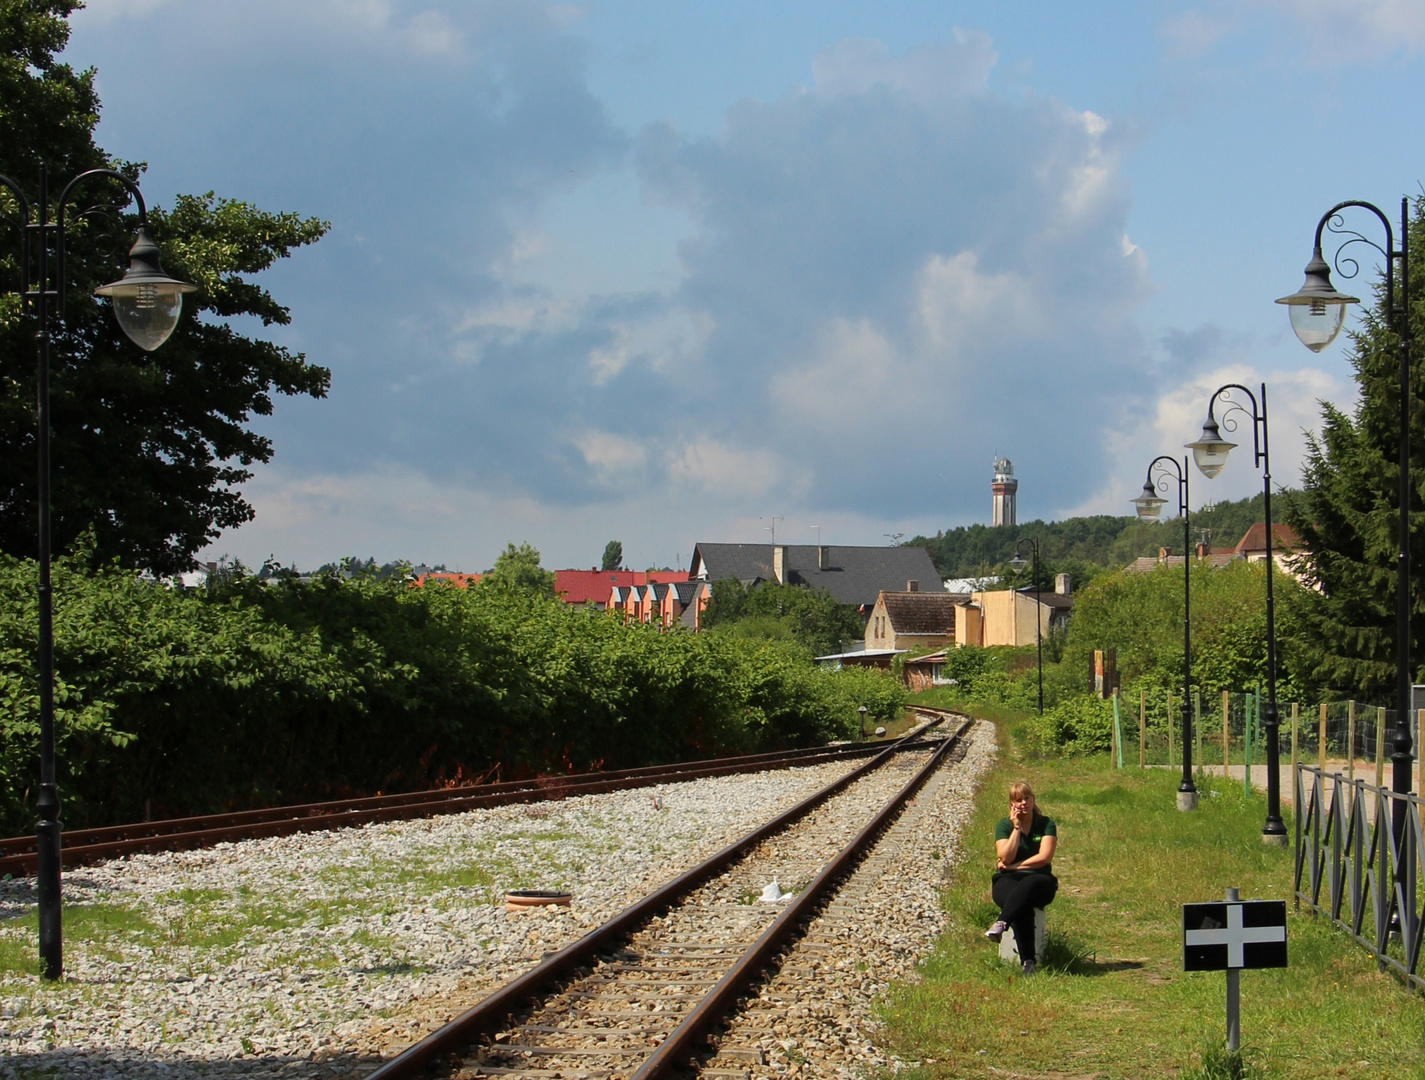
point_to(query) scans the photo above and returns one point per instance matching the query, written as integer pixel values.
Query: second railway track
(644, 992)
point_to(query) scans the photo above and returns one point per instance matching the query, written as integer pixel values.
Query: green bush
(249, 693)
(1080, 725)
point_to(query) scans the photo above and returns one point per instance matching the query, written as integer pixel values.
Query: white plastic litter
(773, 894)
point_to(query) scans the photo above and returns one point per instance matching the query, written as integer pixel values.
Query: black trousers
(1017, 898)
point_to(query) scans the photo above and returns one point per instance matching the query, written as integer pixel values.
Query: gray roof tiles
(853, 575)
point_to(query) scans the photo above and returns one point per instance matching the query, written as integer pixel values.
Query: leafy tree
(148, 450)
(810, 618)
(517, 571)
(613, 556)
(1347, 518)
(1083, 547)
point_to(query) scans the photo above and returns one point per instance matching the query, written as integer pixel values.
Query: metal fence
(1344, 849)
(1227, 729)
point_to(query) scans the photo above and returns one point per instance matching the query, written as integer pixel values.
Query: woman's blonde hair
(1020, 790)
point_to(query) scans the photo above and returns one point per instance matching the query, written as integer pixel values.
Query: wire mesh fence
(1346, 737)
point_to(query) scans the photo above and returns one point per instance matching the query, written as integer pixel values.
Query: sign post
(1231, 935)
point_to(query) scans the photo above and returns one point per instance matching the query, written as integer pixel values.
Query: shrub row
(173, 701)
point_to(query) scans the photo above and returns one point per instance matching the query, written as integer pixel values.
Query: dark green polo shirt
(1039, 828)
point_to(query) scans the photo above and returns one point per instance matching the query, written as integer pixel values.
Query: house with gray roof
(853, 575)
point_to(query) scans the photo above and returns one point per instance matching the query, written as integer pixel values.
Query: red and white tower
(1003, 487)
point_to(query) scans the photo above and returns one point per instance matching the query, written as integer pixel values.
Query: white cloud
(1176, 418)
(732, 473)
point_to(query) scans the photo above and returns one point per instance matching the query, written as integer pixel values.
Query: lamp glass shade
(1148, 505)
(149, 314)
(1317, 324)
(1317, 310)
(1018, 563)
(1209, 453)
(147, 302)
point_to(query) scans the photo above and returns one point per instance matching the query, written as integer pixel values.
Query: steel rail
(494, 1011)
(680, 1041)
(82, 846)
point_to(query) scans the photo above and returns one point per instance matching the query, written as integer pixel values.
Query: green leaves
(250, 692)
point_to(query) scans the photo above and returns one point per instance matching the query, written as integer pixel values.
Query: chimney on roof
(823, 558)
(1201, 550)
(912, 586)
(779, 563)
(1163, 553)
(1061, 584)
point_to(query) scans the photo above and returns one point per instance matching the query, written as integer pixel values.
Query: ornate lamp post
(147, 303)
(1149, 504)
(1209, 453)
(1017, 564)
(1317, 313)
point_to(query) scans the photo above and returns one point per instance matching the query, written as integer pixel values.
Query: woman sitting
(1024, 872)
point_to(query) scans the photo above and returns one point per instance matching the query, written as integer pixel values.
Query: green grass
(1113, 1000)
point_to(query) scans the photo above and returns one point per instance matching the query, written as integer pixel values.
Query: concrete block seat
(1009, 948)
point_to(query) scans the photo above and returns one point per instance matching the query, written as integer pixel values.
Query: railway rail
(644, 992)
(81, 847)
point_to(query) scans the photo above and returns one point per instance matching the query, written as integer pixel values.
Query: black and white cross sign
(1244, 934)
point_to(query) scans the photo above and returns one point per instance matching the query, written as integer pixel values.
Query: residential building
(853, 575)
(1012, 616)
(592, 586)
(911, 620)
(663, 603)
(1252, 547)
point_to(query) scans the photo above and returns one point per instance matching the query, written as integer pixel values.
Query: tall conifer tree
(1348, 514)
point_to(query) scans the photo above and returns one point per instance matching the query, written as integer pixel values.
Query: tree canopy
(1348, 518)
(517, 571)
(148, 450)
(613, 556)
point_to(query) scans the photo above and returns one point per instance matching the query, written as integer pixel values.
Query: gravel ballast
(309, 956)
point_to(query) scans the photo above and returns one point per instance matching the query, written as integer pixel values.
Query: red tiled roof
(1256, 539)
(592, 586)
(460, 581)
(666, 577)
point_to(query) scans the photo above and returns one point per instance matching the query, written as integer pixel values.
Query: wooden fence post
(1142, 729)
(1197, 728)
(1226, 736)
(1380, 746)
(1321, 740)
(1295, 717)
(1170, 729)
(1351, 740)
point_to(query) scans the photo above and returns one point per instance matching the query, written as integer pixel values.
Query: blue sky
(662, 272)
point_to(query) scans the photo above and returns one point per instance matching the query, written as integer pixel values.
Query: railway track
(84, 846)
(646, 991)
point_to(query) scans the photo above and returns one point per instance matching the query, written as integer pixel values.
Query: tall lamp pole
(1017, 564)
(1149, 504)
(147, 303)
(1317, 314)
(1209, 453)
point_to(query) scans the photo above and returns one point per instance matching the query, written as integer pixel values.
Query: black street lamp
(863, 710)
(1209, 453)
(1317, 314)
(147, 303)
(1149, 504)
(1017, 564)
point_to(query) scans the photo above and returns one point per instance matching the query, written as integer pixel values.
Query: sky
(676, 272)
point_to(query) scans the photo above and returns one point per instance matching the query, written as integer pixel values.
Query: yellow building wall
(1009, 617)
